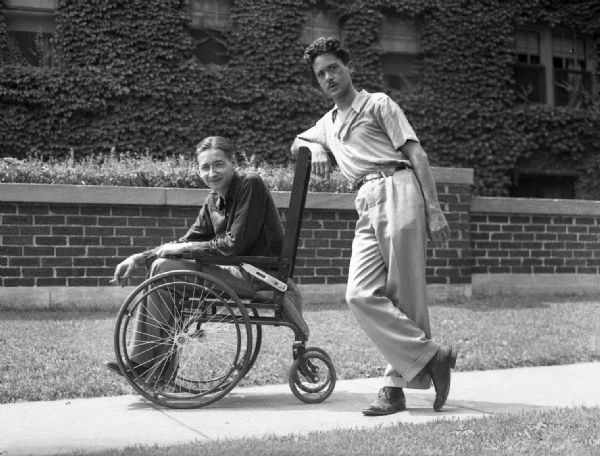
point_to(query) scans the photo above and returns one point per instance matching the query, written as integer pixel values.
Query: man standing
(377, 149)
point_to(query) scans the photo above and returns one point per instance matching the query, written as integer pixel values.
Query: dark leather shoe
(114, 367)
(389, 400)
(439, 367)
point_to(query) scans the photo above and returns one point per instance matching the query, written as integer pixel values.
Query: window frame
(547, 36)
(400, 38)
(28, 21)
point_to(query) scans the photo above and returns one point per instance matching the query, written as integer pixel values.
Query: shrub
(141, 170)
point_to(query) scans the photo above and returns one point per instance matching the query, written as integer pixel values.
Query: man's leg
(152, 347)
(403, 344)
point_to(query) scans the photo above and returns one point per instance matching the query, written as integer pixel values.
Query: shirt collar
(221, 204)
(357, 104)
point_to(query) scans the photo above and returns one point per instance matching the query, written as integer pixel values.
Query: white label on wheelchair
(261, 275)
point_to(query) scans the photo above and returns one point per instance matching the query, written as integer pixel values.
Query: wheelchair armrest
(253, 260)
(258, 261)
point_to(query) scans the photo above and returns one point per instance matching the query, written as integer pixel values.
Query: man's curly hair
(325, 45)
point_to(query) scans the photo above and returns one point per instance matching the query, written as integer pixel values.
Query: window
(400, 57)
(30, 27)
(320, 23)
(529, 72)
(572, 78)
(208, 22)
(553, 66)
(538, 183)
(209, 14)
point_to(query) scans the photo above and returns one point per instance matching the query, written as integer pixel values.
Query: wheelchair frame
(199, 362)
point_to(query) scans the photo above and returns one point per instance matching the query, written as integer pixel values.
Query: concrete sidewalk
(116, 422)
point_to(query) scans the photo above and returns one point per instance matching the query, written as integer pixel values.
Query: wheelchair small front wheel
(312, 377)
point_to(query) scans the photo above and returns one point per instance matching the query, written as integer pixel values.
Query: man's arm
(437, 227)
(314, 139)
(320, 162)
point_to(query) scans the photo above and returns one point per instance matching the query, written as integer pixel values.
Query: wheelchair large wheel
(256, 341)
(312, 377)
(183, 339)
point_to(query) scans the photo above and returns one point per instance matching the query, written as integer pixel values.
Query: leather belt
(381, 173)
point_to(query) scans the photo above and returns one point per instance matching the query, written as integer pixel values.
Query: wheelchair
(212, 337)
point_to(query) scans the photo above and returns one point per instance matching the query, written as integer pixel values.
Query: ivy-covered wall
(125, 77)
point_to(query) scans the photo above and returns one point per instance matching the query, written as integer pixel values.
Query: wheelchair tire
(191, 334)
(256, 342)
(312, 378)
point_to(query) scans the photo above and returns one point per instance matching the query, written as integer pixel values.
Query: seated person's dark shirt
(246, 222)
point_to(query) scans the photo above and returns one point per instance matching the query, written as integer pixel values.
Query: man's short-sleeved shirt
(369, 136)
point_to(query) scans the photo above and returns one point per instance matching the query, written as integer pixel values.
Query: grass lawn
(557, 432)
(55, 355)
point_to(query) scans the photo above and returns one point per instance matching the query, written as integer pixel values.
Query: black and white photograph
(299, 227)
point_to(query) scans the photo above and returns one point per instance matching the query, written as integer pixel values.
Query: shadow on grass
(499, 302)
(56, 315)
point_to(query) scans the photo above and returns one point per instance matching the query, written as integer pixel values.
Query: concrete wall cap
(496, 205)
(159, 196)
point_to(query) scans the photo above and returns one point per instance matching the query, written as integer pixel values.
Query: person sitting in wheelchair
(238, 218)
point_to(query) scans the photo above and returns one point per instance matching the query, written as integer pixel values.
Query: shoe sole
(375, 413)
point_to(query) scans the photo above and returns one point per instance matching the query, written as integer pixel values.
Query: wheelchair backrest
(293, 222)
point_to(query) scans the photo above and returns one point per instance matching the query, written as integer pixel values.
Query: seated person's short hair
(216, 142)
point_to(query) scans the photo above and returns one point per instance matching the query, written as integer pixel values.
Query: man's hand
(320, 163)
(173, 249)
(439, 231)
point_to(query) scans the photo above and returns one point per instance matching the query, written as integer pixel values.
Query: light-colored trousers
(386, 283)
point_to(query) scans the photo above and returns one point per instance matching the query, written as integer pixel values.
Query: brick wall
(529, 237)
(71, 236)
(79, 245)
(47, 243)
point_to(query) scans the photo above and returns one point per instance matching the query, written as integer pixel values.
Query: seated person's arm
(200, 230)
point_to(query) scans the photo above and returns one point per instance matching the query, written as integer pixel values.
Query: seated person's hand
(172, 249)
(124, 268)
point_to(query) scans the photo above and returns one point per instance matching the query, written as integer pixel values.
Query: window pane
(30, 31)
(527, 42)
(33, 48)
(400, 35)
(541, 185)
(530, 83)
(401, 71)
(209, 14)
(320, 23)
(571, 88)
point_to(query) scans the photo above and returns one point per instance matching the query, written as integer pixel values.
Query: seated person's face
(216, 170)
